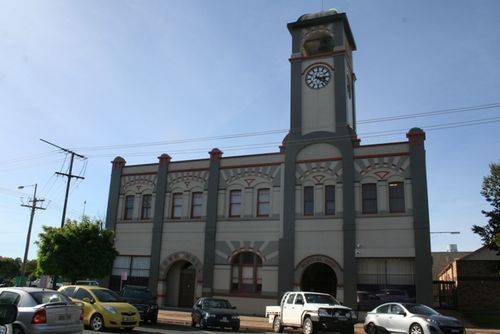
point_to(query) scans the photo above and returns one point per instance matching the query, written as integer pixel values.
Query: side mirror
(403, 313)
(89, 300)
(233, 307)
(8, 314)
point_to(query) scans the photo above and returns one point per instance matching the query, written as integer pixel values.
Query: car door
(88, 308)
(288, 308)
(397, 319)
(382, 315)
(298, 309)
(197, 311)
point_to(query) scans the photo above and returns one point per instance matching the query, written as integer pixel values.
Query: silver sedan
(43, 311)
(410, 318)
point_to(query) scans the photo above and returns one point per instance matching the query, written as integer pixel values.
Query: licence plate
(128, 319)
(342, 317)
(455, 330)
(224, 319)
(63, 317)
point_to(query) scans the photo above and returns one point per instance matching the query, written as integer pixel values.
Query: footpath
(261, 324)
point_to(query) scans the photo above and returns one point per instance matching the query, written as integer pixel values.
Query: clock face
(318, 77)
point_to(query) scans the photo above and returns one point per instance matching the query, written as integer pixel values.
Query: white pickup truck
(312, 312)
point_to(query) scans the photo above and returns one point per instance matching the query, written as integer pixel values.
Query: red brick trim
(367, 156)
(318, 160)
(319, 55)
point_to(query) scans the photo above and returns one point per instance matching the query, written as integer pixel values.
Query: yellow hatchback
(102, 308)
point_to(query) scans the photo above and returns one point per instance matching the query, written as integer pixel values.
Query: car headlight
(208, 315)
(433, 321)
(235, 317)
(110, 309)
(323, 313)
(354, 315)
(154, 307)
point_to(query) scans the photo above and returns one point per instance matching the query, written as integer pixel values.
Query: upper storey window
(369, 197)
(235, 203)
(329, 200)
(396, 197)
(146, 206)
(196, 205)
(308, 201)
(317, 42)
(177, 203)
(129, 207)
(263, 202)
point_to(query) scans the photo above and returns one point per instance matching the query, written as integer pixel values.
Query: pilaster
(158, 217)
(211, 222)
(423, 259)
(114, 192)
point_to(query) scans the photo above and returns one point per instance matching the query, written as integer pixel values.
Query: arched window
(246, 273)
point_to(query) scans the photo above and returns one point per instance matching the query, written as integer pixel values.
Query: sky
(87, 73)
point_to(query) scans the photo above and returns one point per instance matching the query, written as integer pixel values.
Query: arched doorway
(181, 282)
(319, 277)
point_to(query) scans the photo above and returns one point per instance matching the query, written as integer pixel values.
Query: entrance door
(319, 277)
(186, 287)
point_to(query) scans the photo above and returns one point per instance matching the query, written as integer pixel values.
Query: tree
(76, 251)
(490, 233)
(9, 268)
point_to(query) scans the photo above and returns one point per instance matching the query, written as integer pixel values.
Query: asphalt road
(174, 329)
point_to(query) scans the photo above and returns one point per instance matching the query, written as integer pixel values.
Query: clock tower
(322, 128)
(322, 74)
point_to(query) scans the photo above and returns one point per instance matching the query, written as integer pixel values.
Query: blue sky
(91, 73)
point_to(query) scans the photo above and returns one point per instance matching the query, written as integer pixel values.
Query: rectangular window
(396, 197)
(129, 207)
(369, 197)
(308, 201)
(196, 205)
(235, 203)
(177, 202)
(263, 202)
(329, 200)
(140, 266)
(146, 206)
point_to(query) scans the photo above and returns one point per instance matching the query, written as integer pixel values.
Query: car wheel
(193, 323)
(18, 330)
(371, 328)
(203, 324)
(308, 326)
(348, 330)
(154, 320)
(416, 329)
(236, 328)
(277, 327)
(97, 323)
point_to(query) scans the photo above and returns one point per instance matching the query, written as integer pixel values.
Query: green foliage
(76, 251)
(9, 268)
(32, 269)
(490, 233)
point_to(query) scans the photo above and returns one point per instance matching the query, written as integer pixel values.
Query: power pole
(69, 175)
(33, 206)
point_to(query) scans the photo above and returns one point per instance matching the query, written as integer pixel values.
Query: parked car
(214, 312)
(410, 318)
(8, 314)
(312, 312)
(394, 295)
(367, 300)
(87, 282)
(43, 311)
(102, 308)
(142, 299)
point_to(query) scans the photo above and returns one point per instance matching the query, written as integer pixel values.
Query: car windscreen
(106, 296)
(137, 294)
(216, 303)
(46, 297)
(420, 309)
(312, 298)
